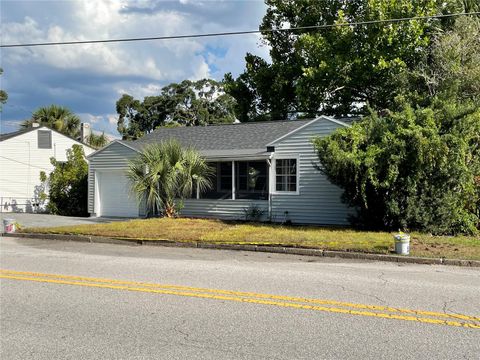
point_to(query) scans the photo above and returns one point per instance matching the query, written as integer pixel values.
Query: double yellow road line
(331, 306)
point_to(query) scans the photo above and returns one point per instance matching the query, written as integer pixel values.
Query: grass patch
(220, 232)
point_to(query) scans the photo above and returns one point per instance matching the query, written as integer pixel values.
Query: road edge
(255, 248)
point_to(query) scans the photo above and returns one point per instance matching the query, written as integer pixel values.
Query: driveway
(45, 220)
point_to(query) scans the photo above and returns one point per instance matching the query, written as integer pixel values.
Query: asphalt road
(66, 300)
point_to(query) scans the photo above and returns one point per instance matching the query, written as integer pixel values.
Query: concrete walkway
(44, 220)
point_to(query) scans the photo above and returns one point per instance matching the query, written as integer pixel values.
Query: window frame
(273, 180)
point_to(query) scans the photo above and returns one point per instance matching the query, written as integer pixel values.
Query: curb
(255, 248)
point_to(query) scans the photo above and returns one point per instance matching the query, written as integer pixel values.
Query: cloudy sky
(89, 79)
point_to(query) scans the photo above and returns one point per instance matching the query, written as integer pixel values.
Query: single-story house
(268, 166)
(23, 155)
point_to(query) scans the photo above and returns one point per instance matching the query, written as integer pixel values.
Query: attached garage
(113, 197)
(108, 187)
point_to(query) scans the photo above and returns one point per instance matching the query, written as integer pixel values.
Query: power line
(245, 32)
(21, 162)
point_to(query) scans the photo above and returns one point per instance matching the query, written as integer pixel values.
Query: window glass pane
(286, 175)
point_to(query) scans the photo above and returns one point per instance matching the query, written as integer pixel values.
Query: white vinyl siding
(318, 201)
(21, 162)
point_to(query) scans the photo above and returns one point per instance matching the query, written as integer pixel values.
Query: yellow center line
(246, 294)
(217, 295)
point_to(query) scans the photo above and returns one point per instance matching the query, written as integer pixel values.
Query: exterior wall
(21, 162)
(112, 158)
(318, 201)
(222, 209)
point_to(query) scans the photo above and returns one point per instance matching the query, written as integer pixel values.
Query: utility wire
(245, 32)
(21, 162)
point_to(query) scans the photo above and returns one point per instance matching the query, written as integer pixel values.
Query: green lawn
(220, 232)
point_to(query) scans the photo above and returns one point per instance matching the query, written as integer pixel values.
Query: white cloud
(138, 91)
(104, 20)
(88, 78)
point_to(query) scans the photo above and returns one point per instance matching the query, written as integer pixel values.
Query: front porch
(239, 180)
(246, 185)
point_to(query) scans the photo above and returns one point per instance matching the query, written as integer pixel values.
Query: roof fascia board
(238, 158)
(110, 144)
(322, 117)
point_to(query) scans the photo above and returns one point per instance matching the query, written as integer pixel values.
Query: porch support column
(233, 180)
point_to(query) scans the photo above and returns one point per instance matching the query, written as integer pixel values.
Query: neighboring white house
(23, 155)
(271, 167)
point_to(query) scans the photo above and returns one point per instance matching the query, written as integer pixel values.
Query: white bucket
(8, 226)
(402, 244)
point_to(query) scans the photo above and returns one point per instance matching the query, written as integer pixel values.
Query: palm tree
(97, 141)
(59, 118)
(164, 173)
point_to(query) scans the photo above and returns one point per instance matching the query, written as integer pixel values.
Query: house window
(286, 175)
(44, 139)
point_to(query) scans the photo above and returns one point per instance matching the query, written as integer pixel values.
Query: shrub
(414, 169)
(68, 184)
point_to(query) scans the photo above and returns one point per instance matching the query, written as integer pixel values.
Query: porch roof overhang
(235, 155)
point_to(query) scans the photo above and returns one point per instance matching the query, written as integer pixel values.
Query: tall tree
(3, 94)
(63, 120)
(339, 70)
(59, 118)
(188, 103)
(418, 167)
(451, 70)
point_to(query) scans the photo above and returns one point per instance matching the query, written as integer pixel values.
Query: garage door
(115, 198)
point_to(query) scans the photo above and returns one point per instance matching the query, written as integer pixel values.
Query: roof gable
(323, 117)
(121, 142)
(7, 136)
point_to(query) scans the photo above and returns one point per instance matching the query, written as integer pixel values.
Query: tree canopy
(188, 103)
(63, 120)
(417, 166)
(59, 118)
(341, 70)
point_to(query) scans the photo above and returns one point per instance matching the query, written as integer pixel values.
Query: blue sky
(89, 79)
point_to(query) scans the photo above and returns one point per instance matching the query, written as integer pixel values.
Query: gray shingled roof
(234, 138)
(15, 133)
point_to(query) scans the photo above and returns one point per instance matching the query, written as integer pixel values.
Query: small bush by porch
(222, 232)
